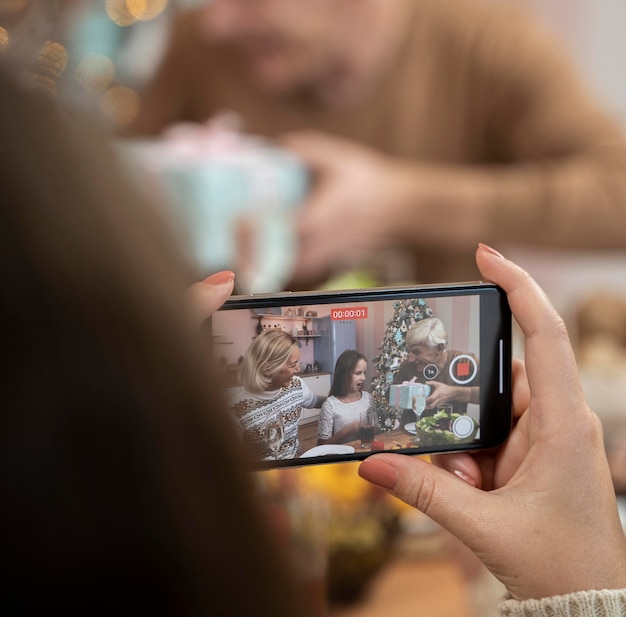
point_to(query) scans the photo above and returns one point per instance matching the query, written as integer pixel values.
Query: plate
(410, 428)
(328, 448)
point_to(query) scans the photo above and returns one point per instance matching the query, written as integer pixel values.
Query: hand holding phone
(532, 524)
(431, 364)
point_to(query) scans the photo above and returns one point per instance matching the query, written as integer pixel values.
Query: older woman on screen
(269, 406)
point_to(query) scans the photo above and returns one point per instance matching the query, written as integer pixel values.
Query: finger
(312, 217)
(521, 391)
(549, 355)
(311, 263)
(208, 295)
(462, 465)
(245, 252)
(318, 251)
(448, 499)
(314, 148)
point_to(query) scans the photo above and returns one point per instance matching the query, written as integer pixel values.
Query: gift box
(401, 395)
(212, 177)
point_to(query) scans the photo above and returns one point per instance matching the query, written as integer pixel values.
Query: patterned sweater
(252, 411)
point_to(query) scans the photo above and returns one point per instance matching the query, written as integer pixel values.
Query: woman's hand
(539, 511)
(208, 295)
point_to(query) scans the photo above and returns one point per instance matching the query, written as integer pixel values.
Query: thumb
(208, 295)
(450, 500)
(314, 148)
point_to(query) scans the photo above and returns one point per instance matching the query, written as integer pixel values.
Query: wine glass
(274, 432)
(418, 402)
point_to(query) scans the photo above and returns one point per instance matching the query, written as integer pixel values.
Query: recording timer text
(353, 312)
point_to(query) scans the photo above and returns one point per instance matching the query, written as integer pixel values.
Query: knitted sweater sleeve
(603, 603)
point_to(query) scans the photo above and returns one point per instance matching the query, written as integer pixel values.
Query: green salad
(437, 429)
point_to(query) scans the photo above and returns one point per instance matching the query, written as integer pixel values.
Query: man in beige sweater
(429, 125)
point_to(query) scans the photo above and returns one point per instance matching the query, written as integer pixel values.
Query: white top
(335, 414)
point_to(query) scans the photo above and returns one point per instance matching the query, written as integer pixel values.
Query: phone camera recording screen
(316, 378)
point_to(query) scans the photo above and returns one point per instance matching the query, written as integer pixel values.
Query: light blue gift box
(208, 195)
(401, 395)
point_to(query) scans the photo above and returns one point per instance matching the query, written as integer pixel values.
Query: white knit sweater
(604, 603)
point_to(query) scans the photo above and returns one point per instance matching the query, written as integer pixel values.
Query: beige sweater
(477, 93)
(606, 603)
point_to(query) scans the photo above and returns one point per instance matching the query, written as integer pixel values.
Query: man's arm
(551, 168)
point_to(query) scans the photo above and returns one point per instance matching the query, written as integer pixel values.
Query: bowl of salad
(446, 427)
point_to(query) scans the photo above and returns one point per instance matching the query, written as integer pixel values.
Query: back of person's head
(430, 332)
(344, 367)
(264, 358)
(120, 484)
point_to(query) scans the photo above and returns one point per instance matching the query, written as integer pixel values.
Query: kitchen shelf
(260, 317)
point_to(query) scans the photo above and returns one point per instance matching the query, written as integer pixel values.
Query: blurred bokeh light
(120, 105)
(52, 62)
(95, 72)
(108, 51)
(4, 39)
(145, 10)
(127, 12)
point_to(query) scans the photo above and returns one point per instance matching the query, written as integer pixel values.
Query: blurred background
(363, 553)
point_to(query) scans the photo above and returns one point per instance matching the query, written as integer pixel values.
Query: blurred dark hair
(344, 367)
(120, 480)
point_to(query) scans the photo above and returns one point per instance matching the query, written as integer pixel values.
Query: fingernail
(463, 476)
(378, 472)
(490, 249)
(220, 278)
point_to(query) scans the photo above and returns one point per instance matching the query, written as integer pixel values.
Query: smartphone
(324, 377)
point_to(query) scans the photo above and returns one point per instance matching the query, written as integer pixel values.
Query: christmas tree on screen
(393, 352)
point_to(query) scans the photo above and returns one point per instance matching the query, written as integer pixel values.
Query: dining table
(395, 439)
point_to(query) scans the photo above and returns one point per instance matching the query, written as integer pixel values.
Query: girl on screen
(339, 417)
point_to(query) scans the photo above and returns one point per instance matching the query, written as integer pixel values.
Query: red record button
(463, 369)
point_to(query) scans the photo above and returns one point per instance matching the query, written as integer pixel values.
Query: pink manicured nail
(378, 472)
(491, 250)
(463, 476)
(220, 278)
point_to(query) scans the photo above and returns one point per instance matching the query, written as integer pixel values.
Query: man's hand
(443, 393)
(364, 202)
(352, 209)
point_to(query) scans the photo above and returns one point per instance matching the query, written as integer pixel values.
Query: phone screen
(316, 378)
